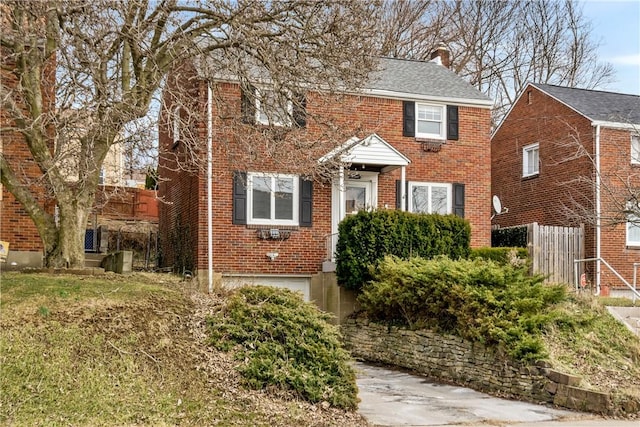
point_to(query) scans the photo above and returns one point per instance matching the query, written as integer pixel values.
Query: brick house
(422, 145)
(565, 156)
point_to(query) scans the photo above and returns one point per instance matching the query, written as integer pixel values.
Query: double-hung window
(531, 160)
(430, 121)
(272, 111)
(433, 198)
(272, 199)
(635, 149)
(633, 231)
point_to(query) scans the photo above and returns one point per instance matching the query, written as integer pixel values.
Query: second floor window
(430, 121)
(272, 111)
(531, 160)
(272, 199)
(635, 149)
(633, 231)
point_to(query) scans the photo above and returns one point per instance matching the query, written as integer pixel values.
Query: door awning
(372, 150)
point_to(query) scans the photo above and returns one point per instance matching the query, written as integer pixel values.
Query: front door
(357, 196)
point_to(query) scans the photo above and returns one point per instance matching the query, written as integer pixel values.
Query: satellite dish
(497, 204)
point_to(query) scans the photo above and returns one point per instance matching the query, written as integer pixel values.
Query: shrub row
(367, 237)
(477, 299)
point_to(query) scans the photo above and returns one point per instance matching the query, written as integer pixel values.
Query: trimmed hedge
(367, 237)
(509, 237)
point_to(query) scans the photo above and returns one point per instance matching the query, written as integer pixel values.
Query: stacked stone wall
(452, 359)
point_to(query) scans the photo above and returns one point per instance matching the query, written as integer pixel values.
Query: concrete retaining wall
(452, 359)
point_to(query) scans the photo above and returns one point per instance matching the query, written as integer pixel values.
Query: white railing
(633, 288)
(331, 241)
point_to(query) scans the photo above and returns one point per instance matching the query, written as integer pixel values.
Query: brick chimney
(441, 56)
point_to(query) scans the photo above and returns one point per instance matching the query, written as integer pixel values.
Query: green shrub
(476, 299)
(503, 255)
(287, 343)
(509, 237)
(367, 237)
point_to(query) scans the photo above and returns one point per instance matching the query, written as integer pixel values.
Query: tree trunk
(67, 249)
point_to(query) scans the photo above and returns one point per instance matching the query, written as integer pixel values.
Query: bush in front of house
(514, 256)
(509, 236)
(367, 237)
(479, 300)
(286, 343)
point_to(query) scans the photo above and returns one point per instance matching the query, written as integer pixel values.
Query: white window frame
(635, 149)
(525, 160)
(273, 221)
(260, 111)
(176, 128)
(629, 226)
(430, 185)
(442, 121)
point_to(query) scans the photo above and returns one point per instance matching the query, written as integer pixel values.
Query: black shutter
(248, 104)
(300, 111)
(306, 203)
(408, 118)
(458, 200)
(452, 122)
(399, 194)
(239, 198)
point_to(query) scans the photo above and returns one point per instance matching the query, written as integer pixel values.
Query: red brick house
(565, 156)
(422, 144)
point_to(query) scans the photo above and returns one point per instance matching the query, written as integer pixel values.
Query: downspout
(403, 189)
(598, 210)
(209, 189)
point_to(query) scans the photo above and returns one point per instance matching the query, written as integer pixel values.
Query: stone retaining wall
(452, 359)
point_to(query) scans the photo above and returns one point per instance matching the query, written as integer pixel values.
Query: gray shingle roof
(597, 105)
(424, 79)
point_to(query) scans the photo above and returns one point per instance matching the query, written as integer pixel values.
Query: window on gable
(272, 111)
(272, 199)
(426, 197)
(635, 149)
(430, 121)
(531, 160)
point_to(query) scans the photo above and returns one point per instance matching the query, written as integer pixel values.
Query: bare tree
(499, 46)
(77, 75)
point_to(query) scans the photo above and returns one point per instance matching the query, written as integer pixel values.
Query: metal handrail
(330, 244)
(632, 288)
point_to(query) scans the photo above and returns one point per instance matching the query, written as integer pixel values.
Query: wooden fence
(553, 250)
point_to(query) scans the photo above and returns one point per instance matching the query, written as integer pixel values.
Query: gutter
(598, 208)
(209, 189)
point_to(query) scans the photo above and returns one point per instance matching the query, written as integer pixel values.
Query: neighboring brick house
(565, 156)
(423, 146)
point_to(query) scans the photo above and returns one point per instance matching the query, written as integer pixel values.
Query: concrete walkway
(395, 398)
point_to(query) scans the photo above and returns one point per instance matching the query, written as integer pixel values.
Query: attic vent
(529, 97)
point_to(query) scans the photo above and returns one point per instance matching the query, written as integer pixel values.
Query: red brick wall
(16, 226)
(563, 193)
(237, 249)
(617, 173)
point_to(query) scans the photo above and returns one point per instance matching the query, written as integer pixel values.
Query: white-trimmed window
(633, 231)
(272, 199)
(531, 160)
(177, 122)
(430, 121)
(429, 197)
(270, 110)
(635, 149)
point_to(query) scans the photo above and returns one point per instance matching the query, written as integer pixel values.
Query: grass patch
(618, 302)
(285, 343)
(79, 350)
